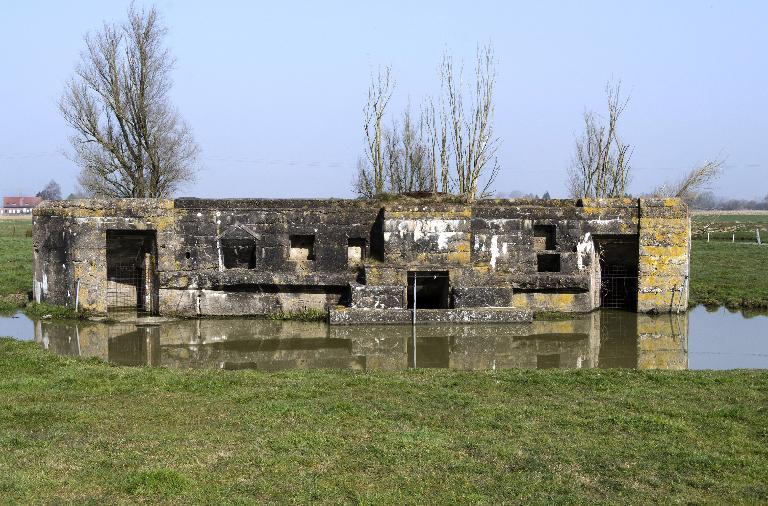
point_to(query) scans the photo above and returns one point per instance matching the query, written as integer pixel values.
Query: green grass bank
(729, 274)
(15, 262)
(83, 431)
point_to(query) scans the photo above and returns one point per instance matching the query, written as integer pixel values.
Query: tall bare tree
(129, 140)
(379, 93)
(404, 158)
(420, 154)
(436, 122)
(601, 165)
(473, 142)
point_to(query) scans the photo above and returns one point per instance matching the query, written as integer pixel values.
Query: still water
(700, 339)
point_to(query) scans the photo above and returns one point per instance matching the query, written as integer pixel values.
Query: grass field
(723, 227)
(83, 431)
(727, 274)
(15, 262)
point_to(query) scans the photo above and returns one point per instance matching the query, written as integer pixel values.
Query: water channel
(701, 339)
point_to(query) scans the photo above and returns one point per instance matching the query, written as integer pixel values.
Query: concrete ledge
(353, 316)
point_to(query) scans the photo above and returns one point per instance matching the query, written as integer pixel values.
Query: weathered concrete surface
(254, 257)
(351, 316)
(665, 232)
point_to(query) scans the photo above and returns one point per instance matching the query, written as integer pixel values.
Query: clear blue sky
(274, 91)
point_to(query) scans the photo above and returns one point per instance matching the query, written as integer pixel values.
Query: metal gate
(618, 287)
(126, 288)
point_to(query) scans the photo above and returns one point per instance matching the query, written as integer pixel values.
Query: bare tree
(404, 158)
(439, 155)
(600, 167)
(379, 94)
(693, 183)
(474, 145)
(419, 154)
(51, 191)
(129, 140)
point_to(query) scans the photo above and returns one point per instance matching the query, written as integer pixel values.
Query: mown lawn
(726, 227)
(83, 431)
(733, 275)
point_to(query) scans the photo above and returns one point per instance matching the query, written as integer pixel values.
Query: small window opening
(356, 250)
(302, 248)
(544, 237)
(431, 289)
(238, 253)
(548, 262)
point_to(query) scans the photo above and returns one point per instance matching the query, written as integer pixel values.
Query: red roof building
(19, 205)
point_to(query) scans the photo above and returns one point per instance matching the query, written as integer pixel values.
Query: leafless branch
(128, 139)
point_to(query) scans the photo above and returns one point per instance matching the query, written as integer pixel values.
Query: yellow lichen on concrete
(664, 255)
(459, 257)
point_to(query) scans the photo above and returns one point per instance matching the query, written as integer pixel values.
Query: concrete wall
(234, 256)
(665, 240)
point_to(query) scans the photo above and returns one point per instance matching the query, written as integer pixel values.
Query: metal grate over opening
(618, 288)
(126, 288)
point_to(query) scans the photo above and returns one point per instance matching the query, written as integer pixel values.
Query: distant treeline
(704, 200)
(708, 200)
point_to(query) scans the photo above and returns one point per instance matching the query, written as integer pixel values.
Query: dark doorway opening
(132, 271)
(431, 289)
(618, 271)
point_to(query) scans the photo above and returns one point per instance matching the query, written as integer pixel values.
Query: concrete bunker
(506, 258)
(131, 257)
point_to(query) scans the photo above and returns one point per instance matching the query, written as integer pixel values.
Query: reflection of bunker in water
(602, 339)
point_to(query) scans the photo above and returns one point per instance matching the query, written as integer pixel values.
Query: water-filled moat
(699, 339)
